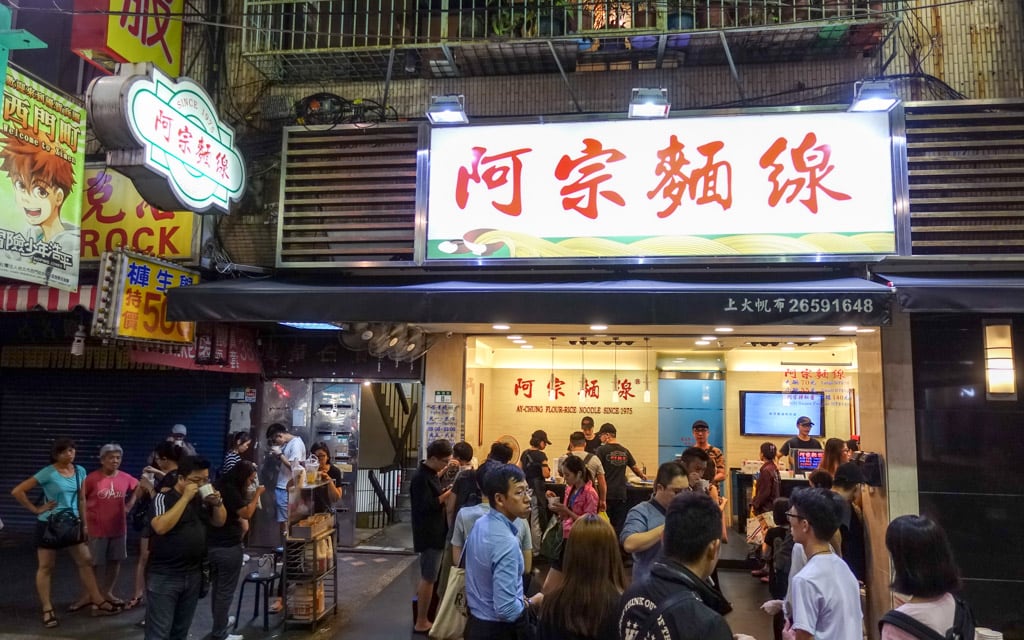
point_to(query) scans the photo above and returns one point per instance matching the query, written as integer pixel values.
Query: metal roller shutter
(135, 409)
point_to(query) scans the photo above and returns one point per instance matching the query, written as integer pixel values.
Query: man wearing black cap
(615, 458)
(592, 439)
(715, 471)
(534, 463)
(803, 439)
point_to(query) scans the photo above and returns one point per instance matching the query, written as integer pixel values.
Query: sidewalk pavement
(361, 576)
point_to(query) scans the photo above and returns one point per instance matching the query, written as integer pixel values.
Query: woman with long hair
(585, 606)
(224, 543)
(238, 443)
(327, 495)
(924, 569)
(835, 454)
(61, 483)
(579, 500)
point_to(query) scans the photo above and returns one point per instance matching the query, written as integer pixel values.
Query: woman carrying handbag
(64, 503)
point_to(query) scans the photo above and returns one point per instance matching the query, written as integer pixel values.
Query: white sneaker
(245, 558)
(234, 636)
(231, 620)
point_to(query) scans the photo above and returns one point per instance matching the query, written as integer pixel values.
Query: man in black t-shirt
(803, 439)
(428, 524)
(593, 441)
(177, 547)
(615, 458)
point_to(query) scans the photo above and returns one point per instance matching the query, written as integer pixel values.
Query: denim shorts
(281, 498)
(430, 564)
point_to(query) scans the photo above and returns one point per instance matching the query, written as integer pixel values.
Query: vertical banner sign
(105, 32)
(115, 215)
(42, 156)
(133, 303)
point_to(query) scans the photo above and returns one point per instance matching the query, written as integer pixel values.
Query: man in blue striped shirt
(494, 560)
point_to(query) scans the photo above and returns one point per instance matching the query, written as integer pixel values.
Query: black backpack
(962, 629)
(467, 493)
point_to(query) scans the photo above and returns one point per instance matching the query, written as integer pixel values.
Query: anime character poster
(42, 159)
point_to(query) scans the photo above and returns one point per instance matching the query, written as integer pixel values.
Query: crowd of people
(191, 526)
(494, 521)
(814, 557)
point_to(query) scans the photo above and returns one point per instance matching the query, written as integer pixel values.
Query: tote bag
(452, 613)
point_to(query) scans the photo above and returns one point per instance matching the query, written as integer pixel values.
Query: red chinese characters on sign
(592, 174)
(500, 170)
(526, 386)
(591, 389)
(711, 183)
(99, 193)
(625, 390)
(809, 163)
(559, 383)
(148, 21)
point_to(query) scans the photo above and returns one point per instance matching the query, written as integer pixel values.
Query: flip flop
(134, 602)
(75, 608)
(49, 619)
(105, 608)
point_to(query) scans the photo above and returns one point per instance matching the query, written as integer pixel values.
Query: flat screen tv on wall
(774, 413)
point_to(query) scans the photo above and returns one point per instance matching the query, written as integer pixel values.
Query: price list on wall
(442, 422)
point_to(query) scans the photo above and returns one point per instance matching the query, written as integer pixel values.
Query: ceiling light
(649, 103)
(678, 359)
(788, 348)
(865, 330)
(449, 109)
(313, 326)
(873, 95)
(848, 328)
(500, 327)
(702, 343)
(708, 338)
(598, 327)
(514, 337)
(519, 341)
(723, 329)
(526, 346)
(817, 338)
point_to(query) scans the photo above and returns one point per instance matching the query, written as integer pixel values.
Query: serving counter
(742, 487)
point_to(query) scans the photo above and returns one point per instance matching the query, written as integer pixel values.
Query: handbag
(452, 613)
(63, 527)
(758, 526)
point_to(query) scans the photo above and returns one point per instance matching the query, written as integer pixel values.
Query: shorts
(281, 500)
(430, 564)
(106, 550)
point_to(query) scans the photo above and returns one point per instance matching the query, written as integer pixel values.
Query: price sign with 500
(144, 303)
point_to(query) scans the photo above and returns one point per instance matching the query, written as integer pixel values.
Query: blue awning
(633, 302)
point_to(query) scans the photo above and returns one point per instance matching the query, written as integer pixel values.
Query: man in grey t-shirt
(645, 523)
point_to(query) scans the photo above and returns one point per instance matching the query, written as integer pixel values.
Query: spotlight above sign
(176, 150)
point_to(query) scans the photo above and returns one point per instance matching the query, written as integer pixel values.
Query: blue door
(681, 402)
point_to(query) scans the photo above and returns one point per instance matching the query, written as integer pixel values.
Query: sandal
(105, 608)
(49, 619)
(134, 602)
(78, 606)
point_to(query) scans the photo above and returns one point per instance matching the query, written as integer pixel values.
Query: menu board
(442, 422)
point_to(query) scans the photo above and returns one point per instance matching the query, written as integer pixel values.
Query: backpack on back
(467, 493)
(962, 629)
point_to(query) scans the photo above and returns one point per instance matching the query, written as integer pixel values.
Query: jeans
(171, 601)
(225, 567)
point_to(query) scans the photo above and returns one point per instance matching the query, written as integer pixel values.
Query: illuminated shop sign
(133, 299)
(179, 154)
(772, 184)
(42, 155)
(106, 32)
(115, 215)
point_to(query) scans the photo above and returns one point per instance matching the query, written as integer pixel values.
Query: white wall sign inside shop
(769, 184)
(179, 153)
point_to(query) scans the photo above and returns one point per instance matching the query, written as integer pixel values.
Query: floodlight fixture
(649, 103)
(873, 95)
(447, 109)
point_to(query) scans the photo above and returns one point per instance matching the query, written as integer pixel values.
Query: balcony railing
(365, 30)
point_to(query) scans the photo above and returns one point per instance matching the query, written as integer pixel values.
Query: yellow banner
(142, 301)
(115, 215)
(143, 31)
